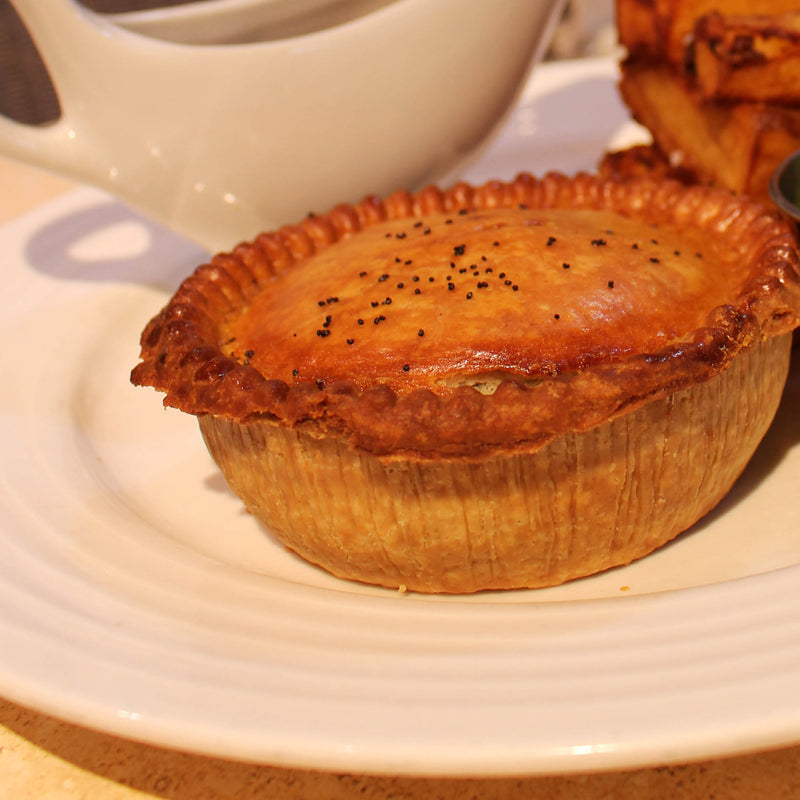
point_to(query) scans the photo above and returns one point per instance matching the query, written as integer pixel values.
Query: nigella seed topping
(418, 223)
(635, 246)
(482, 284)
(320, 303)
(488, 270)
(360, 321)
(351, 341)
(676, 252)
(407, 261)
(400, 235)
(362, 274)
(415, 279)
(398, 260)
(426, 231)
(462, 212)
(507, 282)
(565, 265)
(384, 277)
(379, 319)
(483, 258)
(501, 275)
(451, 285)
(295, 372)
(332, 300)
(556, 316)
(406, 367)
(655, 260)
(387, 301)
(598, 242)
(417, 291)
(459, 249)
(323, 332)
(374, 303)
(420, 332)
(654, 241)
(495, 244)
(469, 295)
(400, 285)
(611, 284)
(476, 272)
(249, 353)
(463, 270)
(515, 288)
(431, 279)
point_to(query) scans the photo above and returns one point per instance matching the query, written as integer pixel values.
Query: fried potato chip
(732, 145)
(662, 29)
(748, 58)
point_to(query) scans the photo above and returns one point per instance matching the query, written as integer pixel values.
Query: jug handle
(64, 33)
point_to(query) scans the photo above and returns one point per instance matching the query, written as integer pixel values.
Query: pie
(487, 387)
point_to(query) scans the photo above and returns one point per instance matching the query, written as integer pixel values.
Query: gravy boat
(222, 141)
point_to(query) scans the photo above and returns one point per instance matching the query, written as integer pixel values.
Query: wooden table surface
(45, 759)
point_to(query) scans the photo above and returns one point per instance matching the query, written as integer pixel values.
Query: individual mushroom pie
(491, 387)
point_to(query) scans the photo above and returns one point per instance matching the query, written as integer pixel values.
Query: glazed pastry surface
(447, 298)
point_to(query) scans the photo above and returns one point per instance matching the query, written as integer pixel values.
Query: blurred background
(27, 95)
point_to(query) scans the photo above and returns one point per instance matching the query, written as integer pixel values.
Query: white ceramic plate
(137, 597)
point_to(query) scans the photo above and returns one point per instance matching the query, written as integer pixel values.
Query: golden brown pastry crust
(187, 353)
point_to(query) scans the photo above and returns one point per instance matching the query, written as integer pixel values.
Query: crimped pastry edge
(181, 355)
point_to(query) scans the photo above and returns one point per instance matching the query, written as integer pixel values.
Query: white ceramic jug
(221, 141)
